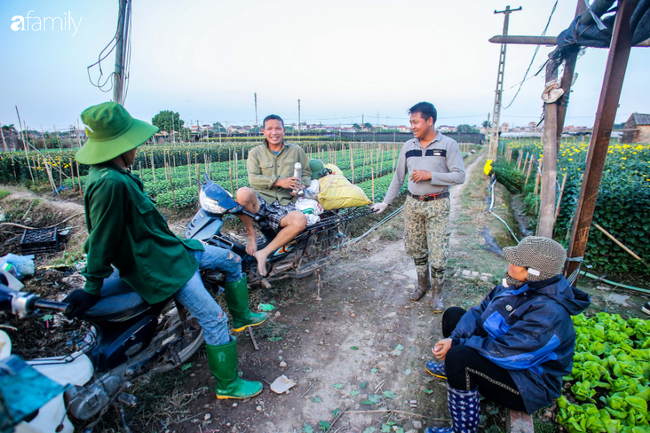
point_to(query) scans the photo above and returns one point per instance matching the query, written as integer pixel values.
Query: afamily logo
(37, 24)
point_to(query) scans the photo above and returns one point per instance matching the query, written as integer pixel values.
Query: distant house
(637, 129)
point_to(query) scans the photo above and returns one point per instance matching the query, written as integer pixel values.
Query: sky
(343, 59)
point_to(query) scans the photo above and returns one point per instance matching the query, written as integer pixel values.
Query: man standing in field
(434, 162)
(270, 175)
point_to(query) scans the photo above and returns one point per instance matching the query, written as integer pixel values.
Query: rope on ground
(491, 188)
(375, 227)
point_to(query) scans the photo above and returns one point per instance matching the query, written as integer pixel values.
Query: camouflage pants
(426, 226)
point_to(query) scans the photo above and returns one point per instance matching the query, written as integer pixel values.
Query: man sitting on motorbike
(273, 189)
(127, 231)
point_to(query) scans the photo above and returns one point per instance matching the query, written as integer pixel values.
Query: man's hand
(81, 302)
(418, 176)
(379, 207)
(288, 183)
(441, 348)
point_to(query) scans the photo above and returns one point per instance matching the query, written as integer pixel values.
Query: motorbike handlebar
(256, 218)
(44, 304)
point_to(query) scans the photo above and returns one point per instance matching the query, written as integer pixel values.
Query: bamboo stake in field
(232, 190)
(351, 161)
(617, 242)
(79, 177)
(236, 172)
(24, 144)
(372, 175)
(140, 164)
(198, 186)
(72, 175)
(153, 167)
(530, 167)
(171, 185)
(4, 143)
(559, 199)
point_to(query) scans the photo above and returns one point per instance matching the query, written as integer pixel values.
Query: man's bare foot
(261, 263)
(251, 246)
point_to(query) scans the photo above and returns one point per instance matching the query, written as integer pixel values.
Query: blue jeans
(194, 296)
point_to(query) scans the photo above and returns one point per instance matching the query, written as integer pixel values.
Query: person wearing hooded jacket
(515, 347)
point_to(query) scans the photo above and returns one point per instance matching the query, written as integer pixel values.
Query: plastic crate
(39, 241)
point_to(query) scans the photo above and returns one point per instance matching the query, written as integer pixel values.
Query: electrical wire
(534, 54)
(491, 187)
(108, 50)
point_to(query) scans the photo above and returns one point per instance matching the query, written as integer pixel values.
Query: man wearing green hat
(127, 231)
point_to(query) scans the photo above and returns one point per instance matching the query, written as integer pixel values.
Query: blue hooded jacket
(529, 332)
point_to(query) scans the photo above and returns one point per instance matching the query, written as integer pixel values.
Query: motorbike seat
(118, 300)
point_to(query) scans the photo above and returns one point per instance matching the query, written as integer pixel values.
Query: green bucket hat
(111, 131)
(317, 168)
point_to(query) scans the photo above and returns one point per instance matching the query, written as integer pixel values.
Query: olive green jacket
(265, 167)
(127, 231)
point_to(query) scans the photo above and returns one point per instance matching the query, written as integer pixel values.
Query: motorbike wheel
(187, 347)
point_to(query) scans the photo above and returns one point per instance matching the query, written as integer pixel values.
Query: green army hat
(111, 131)
(317, 168)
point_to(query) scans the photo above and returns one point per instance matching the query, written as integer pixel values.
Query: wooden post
(617, 59)
(547, 206)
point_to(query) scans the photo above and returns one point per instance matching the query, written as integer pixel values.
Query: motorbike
(125, 338)
(299, 258)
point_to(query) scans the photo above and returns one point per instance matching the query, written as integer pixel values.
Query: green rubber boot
(237, 301)
(224, 364)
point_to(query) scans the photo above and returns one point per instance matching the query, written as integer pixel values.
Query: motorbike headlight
(210, 205)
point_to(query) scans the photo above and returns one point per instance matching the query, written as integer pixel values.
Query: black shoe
(646, 308)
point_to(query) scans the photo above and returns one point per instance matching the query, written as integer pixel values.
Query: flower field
(169, 172)
(623, 205)
(608, 390)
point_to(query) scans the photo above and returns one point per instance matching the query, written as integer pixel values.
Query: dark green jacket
(126, 230)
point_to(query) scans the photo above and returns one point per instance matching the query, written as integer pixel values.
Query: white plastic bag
(313, 190)
(309, 206)
(18, 266)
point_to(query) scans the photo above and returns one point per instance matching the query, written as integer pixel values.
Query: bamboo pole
(153, 167)
(198, 186)
(372, 175)
(74, 189)
(617, 242)
(24, 144)
(530, 167)
(4, 143)
(236, 172)
(232, 190)
(140, 164)
(171, 185)
(352, 162)
(79, 177)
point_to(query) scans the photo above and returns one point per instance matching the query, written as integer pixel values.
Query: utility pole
(496, 112)
(298, 119)
(256, 113)
(120, 52)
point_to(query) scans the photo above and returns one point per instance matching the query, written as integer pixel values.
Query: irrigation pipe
(491, 186)
(613, 283)
(375, 227)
